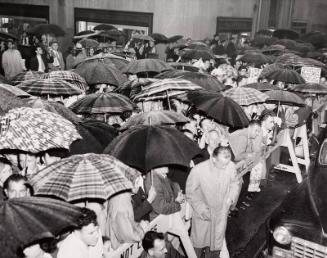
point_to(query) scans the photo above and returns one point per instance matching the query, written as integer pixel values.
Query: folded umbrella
(284, 97)
(25, 76)
(87, 176)
(246, 96)
(139, 147)
(29, 219)
(146, 65)
(68, 76)
(35, 130)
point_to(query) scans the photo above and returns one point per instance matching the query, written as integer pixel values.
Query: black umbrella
(175, 38)
(184, 67)
(159, 38)
(85, 32)
(284, 97)
(6, 36)
(285, 75)
(197, 54)
(104, 27)
(286, 34)
(148, 147)
(47, 29)
(261, 86)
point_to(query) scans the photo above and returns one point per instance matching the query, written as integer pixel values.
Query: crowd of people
(210, 185)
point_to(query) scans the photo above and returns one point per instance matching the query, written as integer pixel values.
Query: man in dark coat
(40, 62)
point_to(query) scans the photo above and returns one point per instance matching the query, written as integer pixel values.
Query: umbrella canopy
(310, 88)
(206, 81)
(165, 88)
(138, 147)
(246, 96)
(184, 67)
(3, 80)
(99, 72)
(25, 76)
(35, 130)
(49, 87)
(285, 75)
(175, 38)
(142, 37)
(223, 109)
(101, 103)
(284, 97)
(104, 27)
(86, 34)
(8, 90)
(87, 176)
(88, 43)
(286, 34)
(197, 54)
(261, 86)
(47, 29)
(159, 38)
(68, 76)
(106, 58)
(146, 65)
(255, 58)
(158, 117)
(270, 68)
(288, 43)
(290, 59)
(6, 36)
(197, 45)
(29, 219)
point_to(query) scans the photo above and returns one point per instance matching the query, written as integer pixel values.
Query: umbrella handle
(168, 100)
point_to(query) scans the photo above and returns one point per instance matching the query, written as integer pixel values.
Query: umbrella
(134, 87)
(197, 54)
(246, 96)
(284, 97)
(184, 67)
(206, 81)
(261, 86)
(49, 87)
(273, 49)
(6, 36)
(285, 34)
(175, 38)
(290, 59)
(310, 88)
(157, 117)
(165, 88)
(285, 75)
(99, 72)
(104, 27)
(288, 43)
(68, 76)
(8, 90)
(88, 43)
(270, 68)
(35, 130)
(86, 34)
(159, 38)
(146, 65)
(3, 80)
(29, 219)
(223, 109)
(87, 176)
(101, 103)
(148, 147)
(25, 76)
(255, 58)
(47, 29)
(106, 58)
(198, 46)
(142, 37)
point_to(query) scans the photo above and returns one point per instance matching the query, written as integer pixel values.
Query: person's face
(55, 46)
(10, 45)
(39, 51)
(5, 172)
(162, 171)
(223, 158)
(33, 251)
(213, 140)
(206, 125)
(91, 51)
(159, 249)
(243, 72)
(16, 190)
(269, 123)
(90, 234)
(254, 131)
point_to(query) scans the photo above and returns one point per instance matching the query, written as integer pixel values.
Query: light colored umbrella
(68, 76)
(246, 96)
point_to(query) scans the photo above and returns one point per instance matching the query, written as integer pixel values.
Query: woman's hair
(220, 149)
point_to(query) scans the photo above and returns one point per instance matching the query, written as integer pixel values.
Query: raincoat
(210, 191)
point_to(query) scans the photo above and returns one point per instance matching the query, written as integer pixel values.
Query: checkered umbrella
(101, 103)
(146, 65)
(68, 76)
(49, 87)
(165, 88)
(25, 76)
(35, 130)
(246, 96)
(87, 176)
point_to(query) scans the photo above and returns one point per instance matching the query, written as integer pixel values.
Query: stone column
(285, 11)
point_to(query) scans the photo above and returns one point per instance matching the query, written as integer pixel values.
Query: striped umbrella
(35, 130)
(68, 76)
(146, 66)
(165, 88)
(101, 103)
(246, 96)
(25, 76)
(310, 88)
(49, 87)
(87, 176)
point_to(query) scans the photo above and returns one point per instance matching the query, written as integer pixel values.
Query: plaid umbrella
(25, 76)
(147, 147)
(68, 76)
(35, 130)
(223, 109)
(197, 54)
(49, 87)
(99, 72)
(110, 59)
(285, 75)
(160, 117)
(88, 43)
(246, 96)
(87, 176)
(101, 103)
(310, 88)
(165, 88)
(146, 65)
(8, 90)
(29, 219)
(256, 58)
(284, 97)
(261, 86)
